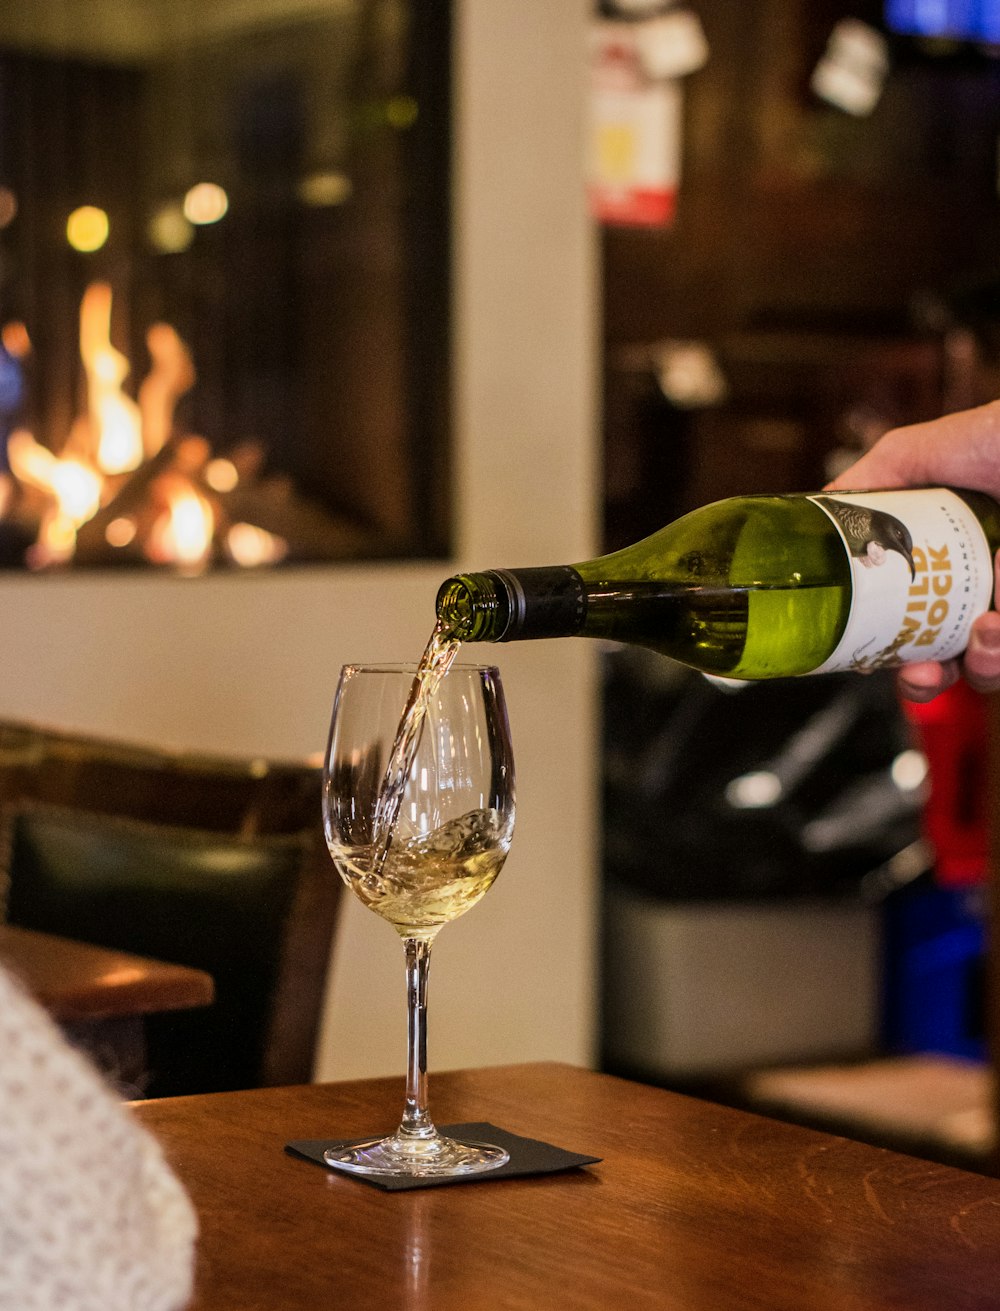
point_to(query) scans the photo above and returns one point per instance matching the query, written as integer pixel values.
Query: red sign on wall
(635, 132)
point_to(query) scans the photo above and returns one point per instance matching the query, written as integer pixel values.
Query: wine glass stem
(416, 1121)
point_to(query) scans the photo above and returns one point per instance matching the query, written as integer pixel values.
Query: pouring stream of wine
(437, 659)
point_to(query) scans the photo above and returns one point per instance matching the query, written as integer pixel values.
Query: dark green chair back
(206, 861)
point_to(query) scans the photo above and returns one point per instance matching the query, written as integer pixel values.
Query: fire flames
(124, 483)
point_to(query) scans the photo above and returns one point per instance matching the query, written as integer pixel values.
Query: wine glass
(418, 810)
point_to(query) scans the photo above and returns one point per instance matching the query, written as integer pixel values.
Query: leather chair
(207, 861)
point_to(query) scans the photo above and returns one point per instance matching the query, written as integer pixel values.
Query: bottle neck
(505, 605)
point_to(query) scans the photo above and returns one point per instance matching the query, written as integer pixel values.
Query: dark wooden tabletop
(694, 1207)
(77, 981)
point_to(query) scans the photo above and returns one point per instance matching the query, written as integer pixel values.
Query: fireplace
(224, 283)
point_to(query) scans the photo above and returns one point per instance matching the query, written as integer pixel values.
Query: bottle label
(922, 572)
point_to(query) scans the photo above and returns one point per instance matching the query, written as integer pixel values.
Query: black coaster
(527, 1156)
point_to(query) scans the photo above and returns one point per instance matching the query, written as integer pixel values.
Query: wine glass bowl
(418, 812)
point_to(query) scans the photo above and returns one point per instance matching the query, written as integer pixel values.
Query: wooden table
(101, 997)
(76, 981)
(694, 1207)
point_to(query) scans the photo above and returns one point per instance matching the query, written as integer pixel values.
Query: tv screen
(959, 20)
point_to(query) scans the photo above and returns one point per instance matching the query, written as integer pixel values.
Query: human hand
(958, 450)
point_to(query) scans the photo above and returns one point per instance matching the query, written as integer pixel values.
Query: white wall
(249, 663)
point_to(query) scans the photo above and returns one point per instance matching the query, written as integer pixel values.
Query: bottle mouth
(501, 605)
(471, 608)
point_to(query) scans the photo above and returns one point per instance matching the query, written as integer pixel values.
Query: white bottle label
(922, 572)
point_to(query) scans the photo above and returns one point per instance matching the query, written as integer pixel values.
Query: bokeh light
(87, 228)
(401, 111)
(15, 339)
(8, 207)
(169, 231)
(221, 475)
(326, 187)
(206, 202)
(120, 532)
(251, 546)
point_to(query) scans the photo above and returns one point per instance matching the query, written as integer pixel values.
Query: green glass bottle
(760, 587)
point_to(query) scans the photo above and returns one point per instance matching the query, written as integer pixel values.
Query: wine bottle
(758, 587)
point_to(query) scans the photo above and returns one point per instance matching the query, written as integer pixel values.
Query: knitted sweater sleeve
(91, 1216)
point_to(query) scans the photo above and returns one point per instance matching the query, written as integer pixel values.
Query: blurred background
(797, 205)
(306, 303)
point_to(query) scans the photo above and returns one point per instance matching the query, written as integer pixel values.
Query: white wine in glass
(418, 811)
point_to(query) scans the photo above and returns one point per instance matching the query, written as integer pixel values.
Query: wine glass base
(418, 1158)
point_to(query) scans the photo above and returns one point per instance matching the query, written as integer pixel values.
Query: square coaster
(527, 1156)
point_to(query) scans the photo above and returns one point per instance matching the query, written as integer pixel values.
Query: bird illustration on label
(871, 534)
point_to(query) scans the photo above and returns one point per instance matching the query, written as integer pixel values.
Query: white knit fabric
(91, 1216)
